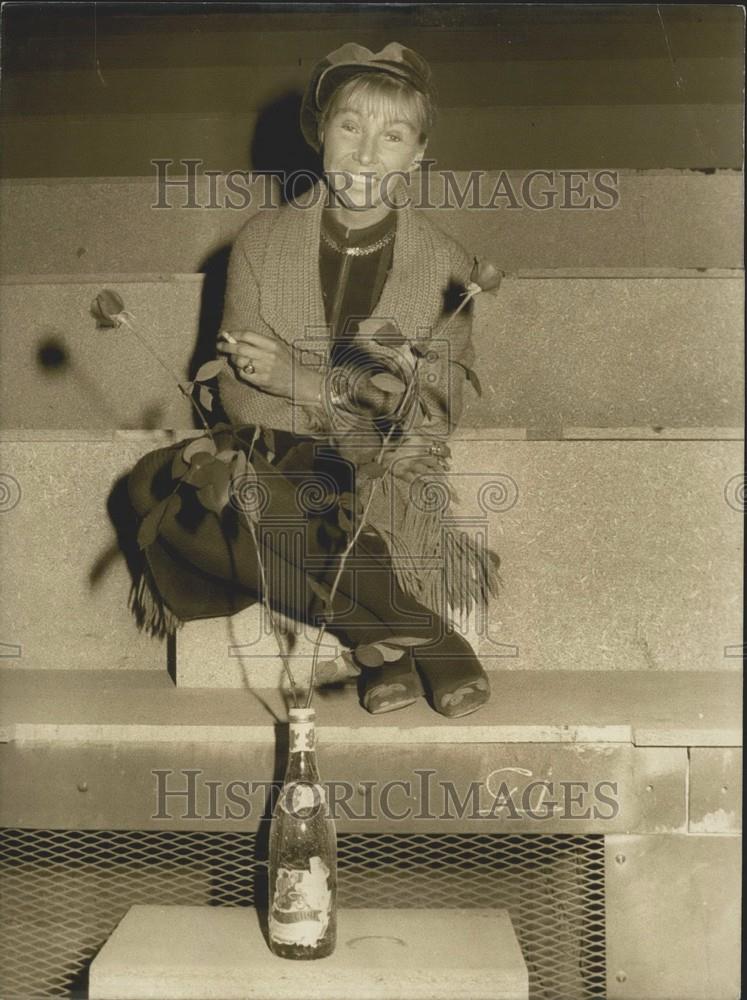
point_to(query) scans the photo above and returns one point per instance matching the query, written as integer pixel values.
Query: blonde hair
(377, 93)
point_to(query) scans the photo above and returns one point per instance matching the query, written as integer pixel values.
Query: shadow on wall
(125, 522)
(56, 360)
(277, 148)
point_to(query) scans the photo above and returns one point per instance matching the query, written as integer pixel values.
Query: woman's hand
(269, 364)
(419, 456)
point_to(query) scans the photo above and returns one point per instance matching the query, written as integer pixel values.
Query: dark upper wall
(521, 86)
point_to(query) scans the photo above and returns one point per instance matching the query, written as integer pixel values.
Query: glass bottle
(302, 914)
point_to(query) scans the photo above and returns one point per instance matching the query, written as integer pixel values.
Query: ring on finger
(249, 367)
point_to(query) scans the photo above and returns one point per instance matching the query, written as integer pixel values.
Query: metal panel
(673, 917)
(521, 787)
(715, 799)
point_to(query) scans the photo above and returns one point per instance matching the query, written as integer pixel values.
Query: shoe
(458, 690)
(391, 687)
(465, 699)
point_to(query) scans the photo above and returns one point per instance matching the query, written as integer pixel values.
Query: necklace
(359, 251)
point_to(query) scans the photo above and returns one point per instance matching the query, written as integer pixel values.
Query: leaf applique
(215, 492)
(148, 531)
(473, 379)
(178, 466)
(206, 398)
(209, 370)
(196, 447)
(323, 592)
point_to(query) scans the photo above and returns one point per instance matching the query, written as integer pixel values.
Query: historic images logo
(506, 793)
(477, 190)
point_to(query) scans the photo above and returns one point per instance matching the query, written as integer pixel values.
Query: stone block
(85, 226)
(609, 352)
(658, 219)
(69, 374)
(88, 226)
(242, 652)
(615, 555)
(678, 229)
(66, 582)
(181, 952)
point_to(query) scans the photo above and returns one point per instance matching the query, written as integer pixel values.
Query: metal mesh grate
(63, 892)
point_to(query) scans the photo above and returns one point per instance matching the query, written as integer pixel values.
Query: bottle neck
(302, 751)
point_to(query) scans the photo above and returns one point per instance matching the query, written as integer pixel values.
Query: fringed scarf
(152, 614)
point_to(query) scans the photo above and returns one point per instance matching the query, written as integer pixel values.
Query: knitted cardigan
(274, 288)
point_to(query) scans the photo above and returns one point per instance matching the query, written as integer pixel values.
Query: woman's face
(362, 149)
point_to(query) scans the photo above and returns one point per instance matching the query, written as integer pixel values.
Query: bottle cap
(301, 714)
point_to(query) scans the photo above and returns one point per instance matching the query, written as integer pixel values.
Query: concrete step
(95, 225)
(253, 83)
(182, 952)
(146, 712)
(601, 351)
(617, 555)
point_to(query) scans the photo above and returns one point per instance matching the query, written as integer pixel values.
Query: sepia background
(604, 457)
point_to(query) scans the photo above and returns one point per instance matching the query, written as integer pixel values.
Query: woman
(323, 296)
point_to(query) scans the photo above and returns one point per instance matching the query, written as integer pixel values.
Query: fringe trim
(152, 615)
(463, 574)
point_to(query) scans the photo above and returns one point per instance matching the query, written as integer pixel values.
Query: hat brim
(329, 80)
(334, 76)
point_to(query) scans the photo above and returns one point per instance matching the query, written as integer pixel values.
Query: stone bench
(198, 953)
(554, 351)
(617, 555)
(95, 225)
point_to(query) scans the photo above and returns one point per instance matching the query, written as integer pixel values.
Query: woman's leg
(447, 670)
(298, 549)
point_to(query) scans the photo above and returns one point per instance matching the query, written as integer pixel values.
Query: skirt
(202, 564)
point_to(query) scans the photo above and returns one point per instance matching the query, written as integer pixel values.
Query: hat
(350, 60)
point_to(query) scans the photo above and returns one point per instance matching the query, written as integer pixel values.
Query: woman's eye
(348, 126)
(393, 137)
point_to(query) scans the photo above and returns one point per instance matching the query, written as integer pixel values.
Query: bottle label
(301, 905)
(302, 737)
